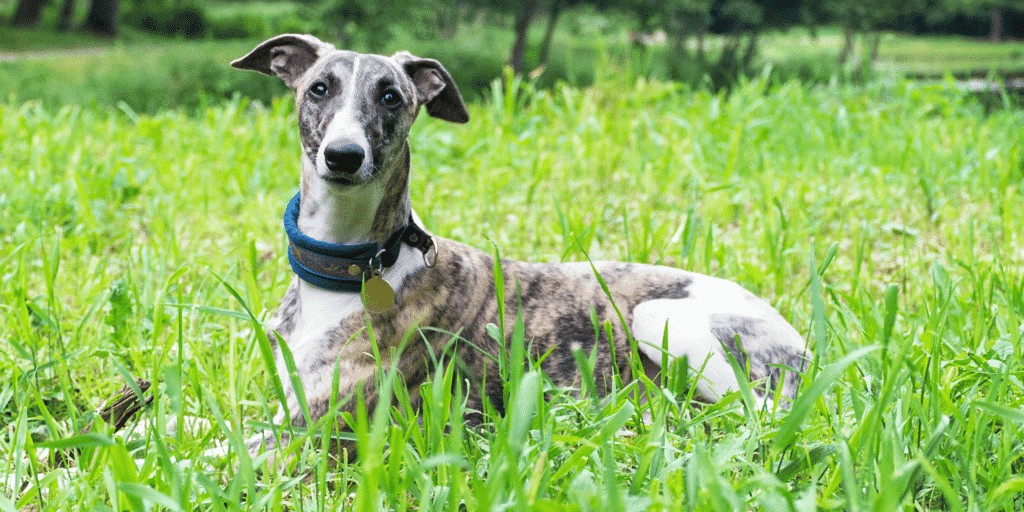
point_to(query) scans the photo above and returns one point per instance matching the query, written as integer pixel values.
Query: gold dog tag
(378, 295)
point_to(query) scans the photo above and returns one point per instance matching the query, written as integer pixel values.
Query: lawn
(901, 54)
(959, 55)
(882, 220)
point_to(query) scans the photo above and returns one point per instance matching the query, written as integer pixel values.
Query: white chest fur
(320, 311)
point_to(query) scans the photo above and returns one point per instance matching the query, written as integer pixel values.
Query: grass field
(883, 221)
(901, 54)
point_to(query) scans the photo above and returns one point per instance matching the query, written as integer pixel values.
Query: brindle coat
(346, 100)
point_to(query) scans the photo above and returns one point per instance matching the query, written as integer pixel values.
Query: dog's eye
(318, 90)
(391, 99)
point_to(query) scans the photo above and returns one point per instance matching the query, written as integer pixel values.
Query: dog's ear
(434, 87)
(286, 56)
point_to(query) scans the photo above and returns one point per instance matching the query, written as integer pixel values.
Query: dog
(361, 255)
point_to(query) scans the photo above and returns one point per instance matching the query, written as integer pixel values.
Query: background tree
(103, 18)
(373, 21)
(27, 13)
(680, 19)
(523, 18)
(997, 24)
(524, 12)
(862, 17)
(744, 17)
(342, 14)
(67, 11)
(686, 19)
(555, 9)
(996, 19)
(448, 16)
(740, 21)
(995, 10)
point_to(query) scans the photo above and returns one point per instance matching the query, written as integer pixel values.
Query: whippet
(352, 223)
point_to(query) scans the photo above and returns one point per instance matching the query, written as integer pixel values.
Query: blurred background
(157, 54)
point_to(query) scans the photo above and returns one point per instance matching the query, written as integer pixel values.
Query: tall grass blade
(87, 440)
(891, 308)
(295, 380)
(586, 370)
(150, 495)
(266, 351)
(790, 430)
(818, 314)
(524, 407)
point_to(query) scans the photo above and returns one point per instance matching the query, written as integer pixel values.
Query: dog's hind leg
(720, 320)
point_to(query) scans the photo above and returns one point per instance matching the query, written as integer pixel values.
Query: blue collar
(340, 267)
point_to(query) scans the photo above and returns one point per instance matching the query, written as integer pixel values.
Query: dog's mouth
(361, 176)
(340, 180)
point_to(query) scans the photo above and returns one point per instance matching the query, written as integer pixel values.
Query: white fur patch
(689, 331)
(339, 216)
(321, 310)
(346, 128)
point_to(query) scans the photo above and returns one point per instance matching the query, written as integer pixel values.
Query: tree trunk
(996, 32)
(341, 38)
(679, 40)
(868, 65)
(448, 20)
(27, 14)
(102, 18)
(848, 35)
(701, 56)
(522, 25)
(681, 29)
(873, 56)
(751, 50)
(67, 11)
(556, 11)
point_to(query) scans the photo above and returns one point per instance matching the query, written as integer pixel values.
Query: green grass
(17, 39)
(165, 74)
(145, 78)
(264, 8)
(935, 56)
(883, 221)
(901, 54)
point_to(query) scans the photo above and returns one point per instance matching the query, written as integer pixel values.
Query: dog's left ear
(434, 87)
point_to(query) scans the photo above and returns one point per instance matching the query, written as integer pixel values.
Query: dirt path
(14, 56)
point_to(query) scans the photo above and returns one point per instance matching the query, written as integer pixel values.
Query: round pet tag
(378, 295)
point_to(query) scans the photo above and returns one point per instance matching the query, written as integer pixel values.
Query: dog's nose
(346, 158)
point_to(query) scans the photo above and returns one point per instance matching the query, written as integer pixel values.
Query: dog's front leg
(325, 387)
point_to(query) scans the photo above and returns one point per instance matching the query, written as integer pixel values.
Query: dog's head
(355, 110)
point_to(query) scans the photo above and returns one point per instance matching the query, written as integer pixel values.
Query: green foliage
(169, 76)
(882, 220)
(16, 39)
(372, 25)
(120, 311)
(169, 18)
(260, 20)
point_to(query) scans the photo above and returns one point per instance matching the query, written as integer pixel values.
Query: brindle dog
(354, 113)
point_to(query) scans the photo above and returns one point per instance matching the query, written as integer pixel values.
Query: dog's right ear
(286, 56)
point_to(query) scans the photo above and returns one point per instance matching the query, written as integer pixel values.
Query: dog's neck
(370, 212)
